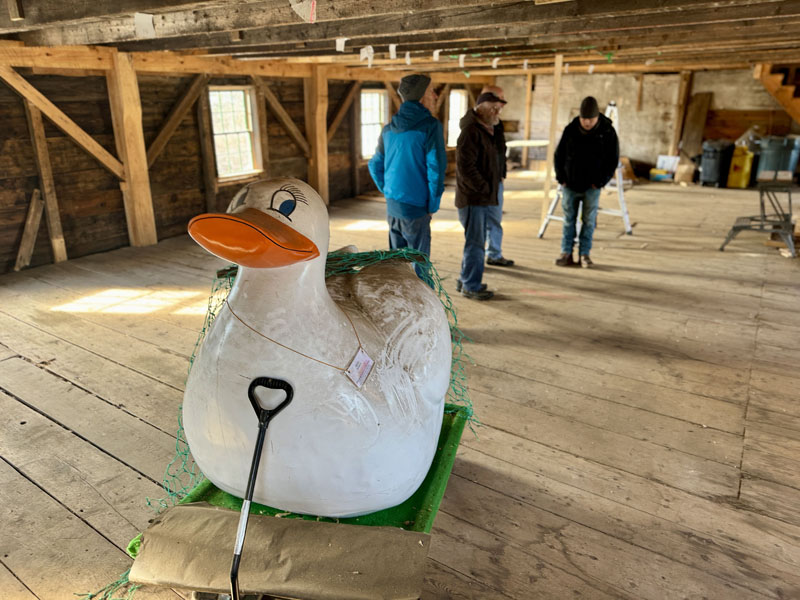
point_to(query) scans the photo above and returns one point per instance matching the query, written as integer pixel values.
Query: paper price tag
(360, 368)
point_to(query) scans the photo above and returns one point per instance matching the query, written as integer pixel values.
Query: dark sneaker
(565, 260)
(500, 262)
(459, 285)
(479, 295)
(586, 262)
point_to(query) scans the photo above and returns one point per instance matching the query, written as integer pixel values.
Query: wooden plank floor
(641, 421)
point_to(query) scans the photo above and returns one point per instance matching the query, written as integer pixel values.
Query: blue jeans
(473, 218)
(494, 230)
(569, 202)
(411, 233)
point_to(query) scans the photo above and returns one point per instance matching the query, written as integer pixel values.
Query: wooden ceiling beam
(172, 63)
(324, 52)
(381, 75)
(49, 13)
(224, 19)
(597, 16)
(68, 57)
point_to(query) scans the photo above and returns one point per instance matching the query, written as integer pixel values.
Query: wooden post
(355, 144)
(263, 130)
(640, 91)
(551, 147)
(318, 134)
(207, 150)
(446, 118)
(684, 91)
(527, 127)
(440, 102)
(126, 117)
(471, 95)
(46, 184)
(28, 241)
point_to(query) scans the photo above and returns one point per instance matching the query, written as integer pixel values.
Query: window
(236, 146)
(457, 108)
(374, 115)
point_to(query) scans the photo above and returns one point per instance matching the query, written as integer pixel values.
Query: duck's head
(269, 223)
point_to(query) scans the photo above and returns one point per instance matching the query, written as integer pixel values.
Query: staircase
(780, 82)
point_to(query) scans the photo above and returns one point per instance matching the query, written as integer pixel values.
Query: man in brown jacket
(477, 182)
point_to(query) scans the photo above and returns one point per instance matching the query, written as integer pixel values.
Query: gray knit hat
(589, 108)
(412, 87)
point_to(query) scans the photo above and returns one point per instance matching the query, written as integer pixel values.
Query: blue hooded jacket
(409, 164)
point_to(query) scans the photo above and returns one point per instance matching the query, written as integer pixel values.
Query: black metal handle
(264, 415)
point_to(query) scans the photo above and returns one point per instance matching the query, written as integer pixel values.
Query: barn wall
(90, 201)
(738, 101)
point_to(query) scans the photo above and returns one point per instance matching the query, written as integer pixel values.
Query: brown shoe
(565, 260)
(586, 262)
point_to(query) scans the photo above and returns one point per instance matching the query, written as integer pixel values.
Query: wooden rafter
(62, 121)
(597, 16)
(174, 118)
(344, 106)
(284, 118)
(393, 95)
(207, 150)
(442, 96)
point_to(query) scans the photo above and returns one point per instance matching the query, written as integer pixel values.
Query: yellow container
(741, 164)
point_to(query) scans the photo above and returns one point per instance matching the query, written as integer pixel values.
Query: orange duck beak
(252, 239)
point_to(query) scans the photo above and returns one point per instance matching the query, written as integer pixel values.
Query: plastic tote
(779, 153)
(741, 165)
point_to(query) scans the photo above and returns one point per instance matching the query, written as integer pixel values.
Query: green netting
(182, 474)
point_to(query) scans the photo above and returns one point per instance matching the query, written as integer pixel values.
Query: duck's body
(337, 450)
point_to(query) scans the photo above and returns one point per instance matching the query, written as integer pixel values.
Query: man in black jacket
(477, 182)
(585, 161)
(494, 226)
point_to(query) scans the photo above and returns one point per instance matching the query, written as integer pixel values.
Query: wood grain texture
(126, 114)
(32, 222)
(42, 157)
(62, 121)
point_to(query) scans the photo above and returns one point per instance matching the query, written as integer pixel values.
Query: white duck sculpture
(337, 450)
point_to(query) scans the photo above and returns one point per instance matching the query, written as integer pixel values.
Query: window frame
(255, 134)
(460, 92)
(387, 115)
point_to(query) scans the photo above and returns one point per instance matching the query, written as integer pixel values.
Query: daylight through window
(235, 137)
(458, 108)
(374, 112)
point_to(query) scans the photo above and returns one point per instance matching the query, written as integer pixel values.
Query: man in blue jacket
(409, 165)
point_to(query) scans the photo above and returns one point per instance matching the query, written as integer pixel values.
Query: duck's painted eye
(287, 207)
(284, 202)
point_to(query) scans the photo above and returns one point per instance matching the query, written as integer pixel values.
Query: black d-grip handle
(265, 415)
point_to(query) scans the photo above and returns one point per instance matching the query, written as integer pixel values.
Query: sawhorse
(779, 220)
(622, 211)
